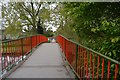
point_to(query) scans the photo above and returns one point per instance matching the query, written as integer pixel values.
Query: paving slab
(45, 62)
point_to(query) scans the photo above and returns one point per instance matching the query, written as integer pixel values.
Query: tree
(33, 16)
(98, 27)
(11, 20)
(29, 13)
(39, 28)
(26, 16)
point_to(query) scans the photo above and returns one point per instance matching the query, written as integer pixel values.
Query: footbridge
(36, 57)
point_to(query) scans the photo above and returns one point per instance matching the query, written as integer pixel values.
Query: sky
(54, 28)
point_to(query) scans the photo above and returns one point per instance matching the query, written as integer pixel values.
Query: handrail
(20, 38)
(115, 61)
(88, 63)
(15, 51)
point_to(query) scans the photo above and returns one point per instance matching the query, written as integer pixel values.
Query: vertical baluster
(87, 66)
(65, 48)
(6, 56)
(9, 55)
(10, 46)
(93, 67)
(13, 50)
(76, 57)
(98, 64)
(83, 63)
(83, 75)
(80, 61)
(22, 48)
(78, 65)
(91, 64)
(31, 43)
(66, 54)
(108, 73)
(102, 69)
(36, 41)
(1, 55)
(116, 72)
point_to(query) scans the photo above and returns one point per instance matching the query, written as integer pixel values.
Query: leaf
(93, 29)
(115, 39)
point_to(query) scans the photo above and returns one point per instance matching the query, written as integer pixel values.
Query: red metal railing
(89, 64)
(14, 51)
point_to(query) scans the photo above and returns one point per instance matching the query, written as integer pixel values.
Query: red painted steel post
(116, 72)
(80, 61)
(76, 54)
(31, 42)
(8, 56)
(64, 45)
(22, 46)
(10, 51)
(78, 65)
(91, 63)
(84, 74)
(36, 41)
(82, 67)
(108, 73)
(98, 64)
(93, 66)
(65, 48)
(87, 66)
(102, 68)
(2, 56)
(6, 61)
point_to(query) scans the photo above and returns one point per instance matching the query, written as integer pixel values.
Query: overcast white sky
(54, 28)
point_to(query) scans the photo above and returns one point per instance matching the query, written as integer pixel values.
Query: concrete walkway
(45, 62)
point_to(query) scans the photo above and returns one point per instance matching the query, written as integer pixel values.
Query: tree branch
(38, 10)
(24, 7)
(32, 8)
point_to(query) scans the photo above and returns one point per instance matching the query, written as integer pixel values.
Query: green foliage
(25, 16)
(96, 24)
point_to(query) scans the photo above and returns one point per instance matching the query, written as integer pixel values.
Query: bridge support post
(36, 40)
(2, 57)
(76, 56)
(31, 43)
(22, 48)
(65, 47)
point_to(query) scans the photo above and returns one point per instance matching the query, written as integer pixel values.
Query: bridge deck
(45, 62)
